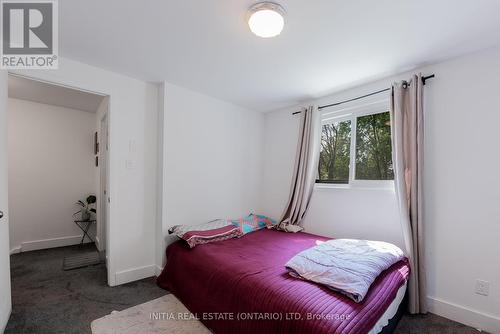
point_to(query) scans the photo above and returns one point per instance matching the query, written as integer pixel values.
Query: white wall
(133, 147)
(5, 297)
(462, 214)
(462, 224)
(212, 159)
(51, 166)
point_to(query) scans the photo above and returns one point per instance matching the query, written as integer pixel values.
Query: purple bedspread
(242, 286)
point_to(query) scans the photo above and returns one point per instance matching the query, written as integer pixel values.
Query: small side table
(84, 225)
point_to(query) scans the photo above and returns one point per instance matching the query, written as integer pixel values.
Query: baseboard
(50, 243)
(3, 325)
(465, 315)
(15, 250)
(134, 274)
(158, 270)
(5, 320)
(98, 243)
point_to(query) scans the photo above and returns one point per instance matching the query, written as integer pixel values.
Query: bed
(241, 286)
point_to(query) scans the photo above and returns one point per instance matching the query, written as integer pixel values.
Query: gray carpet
(432, 324)
(47, 299)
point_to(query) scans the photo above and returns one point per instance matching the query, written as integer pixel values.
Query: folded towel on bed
(345, 265)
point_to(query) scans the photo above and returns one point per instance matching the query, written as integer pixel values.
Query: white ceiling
(326, 46)
(42, 92)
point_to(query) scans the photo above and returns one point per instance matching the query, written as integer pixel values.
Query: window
(373, 147)
(334, 158)
(356, 145)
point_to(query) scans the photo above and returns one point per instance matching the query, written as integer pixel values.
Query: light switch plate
(129, 164)
(131, 146)
(482, 287)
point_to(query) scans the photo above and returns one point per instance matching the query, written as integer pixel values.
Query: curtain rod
(424, 79)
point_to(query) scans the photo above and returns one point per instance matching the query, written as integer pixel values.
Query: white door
(5, 303)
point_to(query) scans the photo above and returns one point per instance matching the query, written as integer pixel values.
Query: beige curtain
(407, 145)
(305, 170)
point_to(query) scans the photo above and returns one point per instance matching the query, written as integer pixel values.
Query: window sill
(358, 185)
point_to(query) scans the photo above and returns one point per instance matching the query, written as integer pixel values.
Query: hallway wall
(51, 166)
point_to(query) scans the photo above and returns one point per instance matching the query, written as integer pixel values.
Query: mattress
(241, 286)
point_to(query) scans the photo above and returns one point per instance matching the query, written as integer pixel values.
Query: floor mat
(161, 315)
(81, 260)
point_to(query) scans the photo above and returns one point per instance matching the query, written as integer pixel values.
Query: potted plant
(86, 208)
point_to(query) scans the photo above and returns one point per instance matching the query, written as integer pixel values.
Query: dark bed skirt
(393, 322)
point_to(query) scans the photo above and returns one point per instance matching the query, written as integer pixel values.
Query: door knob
(1, 214)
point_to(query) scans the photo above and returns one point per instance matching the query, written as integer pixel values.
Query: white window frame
(350, 112)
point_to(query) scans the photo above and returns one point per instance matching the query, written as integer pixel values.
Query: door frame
(5, 281)
(107, 97)
(103, 159)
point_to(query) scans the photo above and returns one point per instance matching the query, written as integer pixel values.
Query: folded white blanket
(345, 265)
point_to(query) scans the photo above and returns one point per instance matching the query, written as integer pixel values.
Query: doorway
(54, 158)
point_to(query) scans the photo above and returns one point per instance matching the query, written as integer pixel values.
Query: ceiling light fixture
(266, 19)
